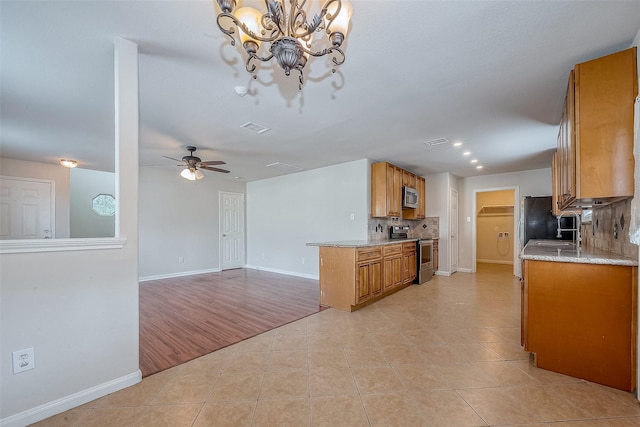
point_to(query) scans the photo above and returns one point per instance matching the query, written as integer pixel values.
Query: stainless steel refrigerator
(537, 221)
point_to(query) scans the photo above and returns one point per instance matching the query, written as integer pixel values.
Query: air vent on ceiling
(255, 128)
(436, 142)
(284, 167)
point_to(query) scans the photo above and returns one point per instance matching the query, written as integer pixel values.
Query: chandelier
(287, 32)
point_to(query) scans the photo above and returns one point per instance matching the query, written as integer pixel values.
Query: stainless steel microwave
(409, 198)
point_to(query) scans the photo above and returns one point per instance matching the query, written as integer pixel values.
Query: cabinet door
(369, 278)
(362, 285)
(567, 148)
(375, 277)
(422, 200)
(394, 190)
(409, 266)
(408, 179)
(392, 272)
(555, 184)
(605, 90)
(435, 255)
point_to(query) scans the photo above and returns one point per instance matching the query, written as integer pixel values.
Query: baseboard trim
(465, 270)
(180, 274)
(58, 406)
(287, 272)
(493, 261)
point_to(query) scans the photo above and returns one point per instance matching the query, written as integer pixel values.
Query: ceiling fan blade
(171, 158)
(214, 169)
(212, 162)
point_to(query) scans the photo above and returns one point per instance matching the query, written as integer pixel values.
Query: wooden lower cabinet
(369, 280)
(435, 255)
(580, 320)
(353, 277)
(409, 266)
(392, 266)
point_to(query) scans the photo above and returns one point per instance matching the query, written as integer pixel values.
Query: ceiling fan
(192, 163)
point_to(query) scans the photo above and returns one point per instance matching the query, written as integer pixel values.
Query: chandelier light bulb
(251, 18)
(341, 22)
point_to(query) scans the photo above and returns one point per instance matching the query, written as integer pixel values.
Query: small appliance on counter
(398, 232)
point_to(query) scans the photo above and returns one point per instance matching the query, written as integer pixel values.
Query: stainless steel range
(425, 260)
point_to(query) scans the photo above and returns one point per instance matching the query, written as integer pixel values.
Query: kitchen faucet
(576, 230)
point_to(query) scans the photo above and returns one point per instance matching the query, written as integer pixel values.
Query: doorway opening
(495, 221)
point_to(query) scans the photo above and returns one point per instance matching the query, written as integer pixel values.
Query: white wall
(85, 184)
(535, 182)
(286, 212)
(54, 172)
(180, 218)
(438, 190)
(77, 309)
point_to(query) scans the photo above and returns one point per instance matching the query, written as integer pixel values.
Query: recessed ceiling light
(474, 161)
(457, 144)
(479, 167)
(466, 153)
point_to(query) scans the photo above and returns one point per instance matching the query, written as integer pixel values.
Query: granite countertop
(566, 251)
(361, 243)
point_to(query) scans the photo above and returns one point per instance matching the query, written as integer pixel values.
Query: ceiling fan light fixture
(287, 32)
(68, 163)
(191, 174)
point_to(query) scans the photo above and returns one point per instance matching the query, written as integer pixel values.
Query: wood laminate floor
(187, 317)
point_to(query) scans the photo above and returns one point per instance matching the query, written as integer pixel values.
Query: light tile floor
(445, 353)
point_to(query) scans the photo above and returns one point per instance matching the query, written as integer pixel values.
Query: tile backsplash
(609, 229)
(428, 228)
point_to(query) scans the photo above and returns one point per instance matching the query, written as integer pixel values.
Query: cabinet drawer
(408, 247)
(366, 254)
(389, 250)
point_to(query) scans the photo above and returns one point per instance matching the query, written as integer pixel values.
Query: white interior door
(26, 208)
(232, 230)
(453, 221)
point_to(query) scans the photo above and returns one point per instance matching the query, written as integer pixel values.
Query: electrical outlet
(500, 235)
(303, 260)
(23, 360)
(506, 234)
(180, 260)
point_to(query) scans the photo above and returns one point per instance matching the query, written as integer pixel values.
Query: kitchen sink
(554, 243)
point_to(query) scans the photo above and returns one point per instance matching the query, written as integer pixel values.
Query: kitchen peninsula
(579, 311)
(356, 273)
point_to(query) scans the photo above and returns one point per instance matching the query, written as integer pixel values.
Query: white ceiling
(491, 74)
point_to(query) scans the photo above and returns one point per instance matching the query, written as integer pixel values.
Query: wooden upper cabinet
(566, 158)
(386, 190)
(595, 144)
(408, 179)
(555, 184)
(387, 181)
